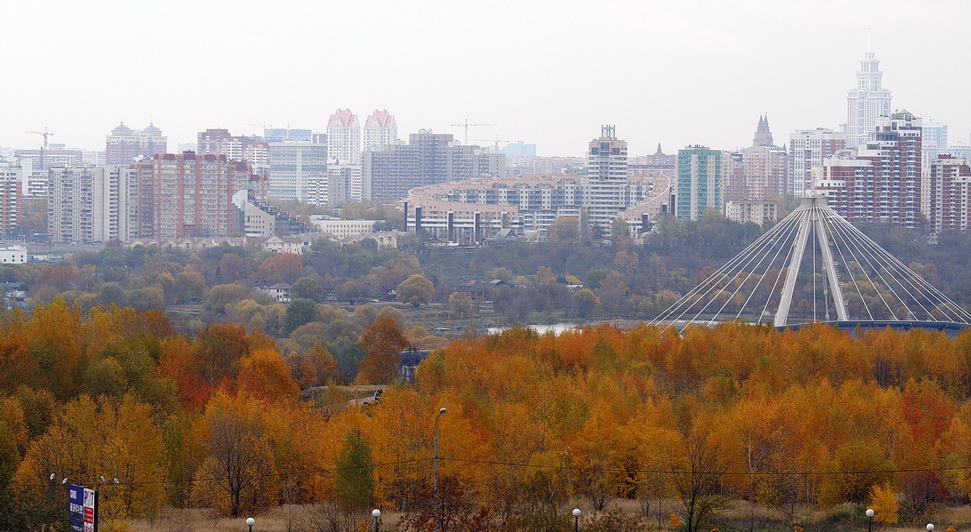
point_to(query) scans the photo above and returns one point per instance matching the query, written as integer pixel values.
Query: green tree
(351, 291)
(354, 485)
(619, 231)
(586, 302)
(307, 288)
(459, 304)
(299, 312)
(416, 290)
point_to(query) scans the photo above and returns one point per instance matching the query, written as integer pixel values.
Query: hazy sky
(676, 72)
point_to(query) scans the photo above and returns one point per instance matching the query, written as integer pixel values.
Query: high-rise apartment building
(881, 180)
(867, 103)
(293, 165)
(93, 204)
(124, 144)
(949, 194)
(807, 149)
(11, 175)
(427, 159)
(344, 137)
(114, 206)
(700, 181)
(933, 141)
(605, 187)
(190, 195)
(69, 203)
(380, 130)
(236, 148)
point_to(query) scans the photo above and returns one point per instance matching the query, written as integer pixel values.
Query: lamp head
(250, 521)
(442, 410)
(869, 512)
(576, 512)
(376, 513)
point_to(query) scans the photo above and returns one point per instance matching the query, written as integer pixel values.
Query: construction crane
(43, 148)
(45, 134)
(466, 124)
(264, 125)
(496, 141)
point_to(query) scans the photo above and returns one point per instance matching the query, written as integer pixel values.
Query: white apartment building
(605, 187)
(92, 204)
(344, 137)
(807, 149)
(380, 130)
(755, 211)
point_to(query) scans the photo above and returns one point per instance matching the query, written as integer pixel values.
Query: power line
(524, 465)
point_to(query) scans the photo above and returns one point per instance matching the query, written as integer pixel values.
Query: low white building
(13, 254)
(342, 229)
(755, 211)
(280, 292)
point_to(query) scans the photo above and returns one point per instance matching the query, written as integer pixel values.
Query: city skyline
(546, 73)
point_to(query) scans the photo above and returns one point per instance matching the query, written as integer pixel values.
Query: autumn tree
(265, 375)
(857, 466)
(222, 295)
(884, 503)
(383, 342)
(236, 475)
(697, 480)
(283, 268)
(119, 441)
(564, 229)
(416, 290)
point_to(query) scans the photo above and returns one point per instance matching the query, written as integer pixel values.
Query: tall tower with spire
(763, 137)
(867, 102)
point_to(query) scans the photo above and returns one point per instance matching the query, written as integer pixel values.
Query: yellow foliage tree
(884, 503)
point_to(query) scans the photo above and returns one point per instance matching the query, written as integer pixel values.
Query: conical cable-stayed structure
(814, 266)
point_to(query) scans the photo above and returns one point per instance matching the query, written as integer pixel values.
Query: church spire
(763, 137)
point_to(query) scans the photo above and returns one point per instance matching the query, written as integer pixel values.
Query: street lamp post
(869, 519)
(377, 519)
(250, 522)
(435, 467)
(576, 520)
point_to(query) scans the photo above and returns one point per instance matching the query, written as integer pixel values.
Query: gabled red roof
(380, 118)
(343, 117)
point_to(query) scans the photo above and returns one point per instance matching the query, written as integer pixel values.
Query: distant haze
(549, 73)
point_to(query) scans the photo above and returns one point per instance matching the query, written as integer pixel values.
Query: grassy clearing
(737, 517)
